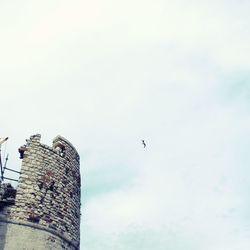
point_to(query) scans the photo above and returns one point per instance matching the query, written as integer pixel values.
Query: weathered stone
(47, 204)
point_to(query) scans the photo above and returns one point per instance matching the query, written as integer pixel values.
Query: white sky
(106, 74)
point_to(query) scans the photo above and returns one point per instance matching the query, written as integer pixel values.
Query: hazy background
(106, 74)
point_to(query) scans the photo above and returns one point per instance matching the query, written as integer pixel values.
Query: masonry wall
(27, 237)
(47, 203)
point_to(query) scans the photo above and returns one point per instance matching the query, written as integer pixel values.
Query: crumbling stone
(48, 192)
(7, 195)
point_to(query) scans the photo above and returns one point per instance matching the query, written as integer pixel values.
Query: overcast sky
(106, 74)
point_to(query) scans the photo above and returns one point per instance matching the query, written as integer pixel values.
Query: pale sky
(107, 74)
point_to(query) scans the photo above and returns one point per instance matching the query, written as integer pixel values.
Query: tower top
(47, 199)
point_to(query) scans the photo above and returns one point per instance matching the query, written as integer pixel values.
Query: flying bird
(144, 144)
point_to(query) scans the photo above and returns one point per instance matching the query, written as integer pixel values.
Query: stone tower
(44, 211)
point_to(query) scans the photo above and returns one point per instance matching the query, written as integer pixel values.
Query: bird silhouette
(144, 144)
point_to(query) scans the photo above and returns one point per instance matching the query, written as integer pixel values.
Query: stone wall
(28, 236)
(47, 203)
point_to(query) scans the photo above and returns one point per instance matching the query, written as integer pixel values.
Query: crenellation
(48, 192)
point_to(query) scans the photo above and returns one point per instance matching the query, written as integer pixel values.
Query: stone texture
(47, 199)
(27, 238)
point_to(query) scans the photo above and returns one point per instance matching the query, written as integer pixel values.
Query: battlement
(47, 197)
